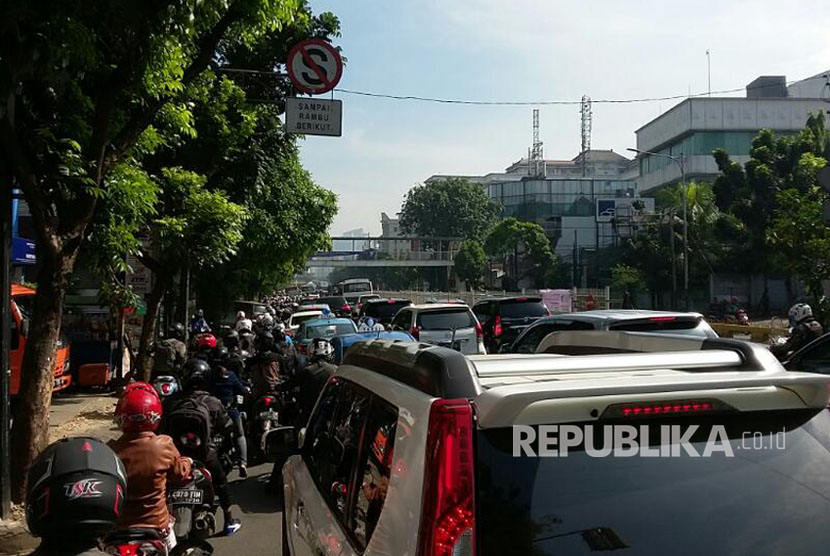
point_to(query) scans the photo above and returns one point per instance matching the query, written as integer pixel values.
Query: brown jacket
(265, 373)
(151, 461)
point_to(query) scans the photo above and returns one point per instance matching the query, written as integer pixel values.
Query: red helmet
(139, 408)
(207, 341)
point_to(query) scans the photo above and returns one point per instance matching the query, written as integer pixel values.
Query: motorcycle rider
(69, 524)
(198, 324)
(151, 461)
(170, 354)
(280, 332)
(226, 388)
(196, 377)
(289, 363)
(806, 329)
(264, 367)
(242, 322)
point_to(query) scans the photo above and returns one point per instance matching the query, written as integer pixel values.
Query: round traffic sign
(314, 66)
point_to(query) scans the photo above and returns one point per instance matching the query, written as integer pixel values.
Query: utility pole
(5, 334)
(709, 70)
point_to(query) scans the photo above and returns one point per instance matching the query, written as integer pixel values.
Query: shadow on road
(249, 494)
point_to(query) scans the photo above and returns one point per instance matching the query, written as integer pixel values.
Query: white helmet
(800, 311)
(321, 348)
(240, 315)
(279, 327)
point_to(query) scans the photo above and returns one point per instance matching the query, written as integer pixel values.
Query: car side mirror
(24, 328)
(280, 443)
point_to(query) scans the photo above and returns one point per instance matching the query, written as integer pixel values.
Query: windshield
(26, 304)
(385, 310)
(336, 302)
(297, 320)
(328, 330)
(521, 309)
(761, 502)
(446, 320)
(357, 287)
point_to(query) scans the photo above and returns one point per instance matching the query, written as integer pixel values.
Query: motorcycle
(268, 412)
(741, 317)
(136, 541)
(193, 507)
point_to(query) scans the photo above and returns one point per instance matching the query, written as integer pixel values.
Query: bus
(352, 289)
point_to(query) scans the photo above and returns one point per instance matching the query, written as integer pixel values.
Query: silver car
(444, 324)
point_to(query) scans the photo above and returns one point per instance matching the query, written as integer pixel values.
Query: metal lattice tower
(535, 160)
(587, 119)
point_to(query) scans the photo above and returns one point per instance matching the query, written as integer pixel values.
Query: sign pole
(5, 325)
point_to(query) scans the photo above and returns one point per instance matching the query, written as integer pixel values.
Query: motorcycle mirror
(280, 443)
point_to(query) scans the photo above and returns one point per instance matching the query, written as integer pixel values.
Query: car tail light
(497, 330)
(664, 408)
(448, 510)
(415, 332)
(662, 319)
(479, 331)
(346, 308)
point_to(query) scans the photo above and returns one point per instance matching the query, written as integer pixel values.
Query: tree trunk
(148, 329)
(30, 433)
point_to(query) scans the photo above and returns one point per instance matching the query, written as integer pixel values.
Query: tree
(626, 278)
(451, 207)
(81, 83)
(751, 194)
(527, 246)
(471, 263)
(194, 227)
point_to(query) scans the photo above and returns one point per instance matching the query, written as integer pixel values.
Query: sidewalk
(70, 415)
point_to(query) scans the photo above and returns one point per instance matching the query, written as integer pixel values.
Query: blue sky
(530, 50)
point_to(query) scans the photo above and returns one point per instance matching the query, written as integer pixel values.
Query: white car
(443, 324)
(419, 450)
(300, 317)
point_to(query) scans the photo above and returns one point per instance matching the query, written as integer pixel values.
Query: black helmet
(75, 490)
(177, 331)
(221, 354)
(265, 342)
(231, 339)
(195, 374)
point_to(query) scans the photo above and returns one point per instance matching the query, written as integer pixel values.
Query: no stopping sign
(314, 66)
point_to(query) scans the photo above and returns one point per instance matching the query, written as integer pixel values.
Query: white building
(697, 126)
(391, 228)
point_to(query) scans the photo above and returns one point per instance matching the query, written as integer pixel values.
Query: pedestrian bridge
(388, 252)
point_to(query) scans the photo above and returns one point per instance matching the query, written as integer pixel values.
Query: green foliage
(527, 245)
(625, 277)
(471, 263)
(452, 207)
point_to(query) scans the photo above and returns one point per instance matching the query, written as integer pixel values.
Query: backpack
(164, 358)
(190, 415)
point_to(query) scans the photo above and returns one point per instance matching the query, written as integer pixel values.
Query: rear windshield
(772, 497)
(446, 319)
(685, 327)
(385, 310)
(328, 330)
(297, 320)
(357, 287)
(521, 309)
(336, 302)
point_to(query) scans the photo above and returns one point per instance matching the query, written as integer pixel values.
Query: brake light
(391, 301)
(662, 319)
(268, 401)
(663, 408)
(497, 330)
(346, 308)
(415, 332)
(479, 331)
(448, 520)
(521, 299)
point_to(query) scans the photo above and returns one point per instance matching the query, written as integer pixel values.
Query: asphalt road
(260, 514)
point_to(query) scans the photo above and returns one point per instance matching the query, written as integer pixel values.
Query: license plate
(190, 496)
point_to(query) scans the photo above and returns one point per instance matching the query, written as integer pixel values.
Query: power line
(542, 102)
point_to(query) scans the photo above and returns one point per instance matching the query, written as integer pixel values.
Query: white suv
(412, 450)
(451, 325)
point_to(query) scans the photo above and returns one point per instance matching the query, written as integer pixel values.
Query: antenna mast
(587, 117)
(536, 166)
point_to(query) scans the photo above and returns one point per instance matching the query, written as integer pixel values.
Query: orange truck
(23, 301)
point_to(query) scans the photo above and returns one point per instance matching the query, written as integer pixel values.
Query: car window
(446, 319)
(376, 465)
(482, 312)
(384, 309)
(816, 360)
(581, 504)
(535, 334)
(519, 309)
(328, 330)
(318, 432)
(335, 468)
(402, 320)
(297, 320)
